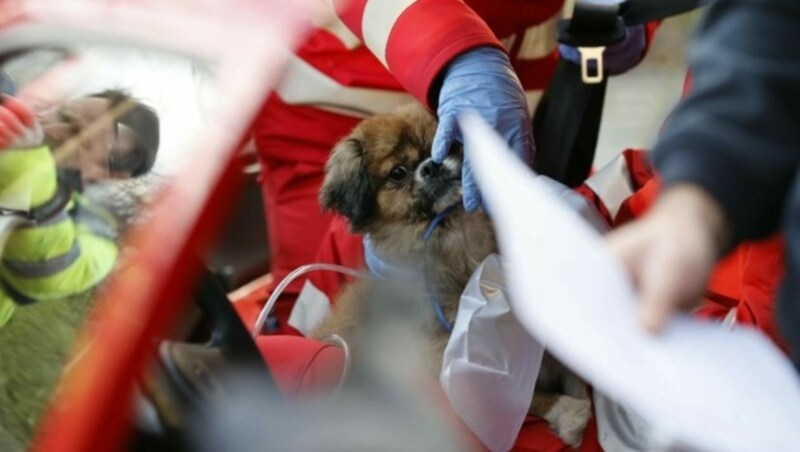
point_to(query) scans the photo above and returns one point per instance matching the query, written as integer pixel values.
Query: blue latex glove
(482, 81)
(619, 57)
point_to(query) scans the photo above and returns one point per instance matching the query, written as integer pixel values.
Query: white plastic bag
(490, 363)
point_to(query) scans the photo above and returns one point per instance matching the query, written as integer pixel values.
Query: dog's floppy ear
(347, 188)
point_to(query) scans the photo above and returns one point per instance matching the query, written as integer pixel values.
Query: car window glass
(59, 252)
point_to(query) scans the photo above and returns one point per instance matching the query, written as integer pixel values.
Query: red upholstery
(302, 366)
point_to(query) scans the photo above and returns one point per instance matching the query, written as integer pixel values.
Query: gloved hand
(482, 81)
(19, 128)
(618, 58)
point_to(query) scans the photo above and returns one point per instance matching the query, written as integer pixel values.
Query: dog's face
(382, 173)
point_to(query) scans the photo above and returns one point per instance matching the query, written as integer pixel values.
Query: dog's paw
(568, 418)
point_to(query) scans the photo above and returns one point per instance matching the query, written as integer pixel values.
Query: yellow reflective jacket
(69, 252)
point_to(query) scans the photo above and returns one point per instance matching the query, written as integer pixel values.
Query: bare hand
(671, 251)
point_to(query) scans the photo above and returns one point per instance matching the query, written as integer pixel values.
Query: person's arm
(416, 40)
(727, 155)
(737, 133)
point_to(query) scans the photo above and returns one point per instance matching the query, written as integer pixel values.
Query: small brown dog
(381, 177)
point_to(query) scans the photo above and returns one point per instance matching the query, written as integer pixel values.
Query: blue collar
(381, 268)
(385, 269)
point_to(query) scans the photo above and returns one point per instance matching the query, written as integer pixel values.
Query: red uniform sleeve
(650, 33)
(416, 39)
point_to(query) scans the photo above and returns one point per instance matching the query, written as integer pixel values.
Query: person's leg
(295, 226)
(293, 143)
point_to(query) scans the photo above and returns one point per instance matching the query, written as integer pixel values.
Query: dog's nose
(429, 169)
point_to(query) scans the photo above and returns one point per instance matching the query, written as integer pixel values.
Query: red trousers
(293, 144)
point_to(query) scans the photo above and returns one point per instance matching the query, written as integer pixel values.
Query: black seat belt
(567, 120)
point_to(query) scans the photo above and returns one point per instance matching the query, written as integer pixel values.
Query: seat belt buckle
(592, 28)
(592, 71)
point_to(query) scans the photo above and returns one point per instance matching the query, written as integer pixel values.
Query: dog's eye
(398, 173)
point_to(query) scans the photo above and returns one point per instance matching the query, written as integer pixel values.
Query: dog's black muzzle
(439, 184)
(430, 173)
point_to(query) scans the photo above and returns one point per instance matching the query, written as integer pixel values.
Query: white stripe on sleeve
(377, 23)
(303, 84)
(331, 22)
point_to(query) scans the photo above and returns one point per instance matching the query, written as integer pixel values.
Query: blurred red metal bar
(249, 42)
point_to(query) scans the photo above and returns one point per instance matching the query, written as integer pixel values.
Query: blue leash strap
(437, 307)
(435, 222)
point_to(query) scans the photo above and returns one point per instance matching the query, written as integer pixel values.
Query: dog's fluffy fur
(382, 179)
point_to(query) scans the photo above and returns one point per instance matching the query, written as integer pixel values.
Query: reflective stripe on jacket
(64, 255)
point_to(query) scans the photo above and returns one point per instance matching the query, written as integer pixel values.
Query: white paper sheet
(699, 385)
